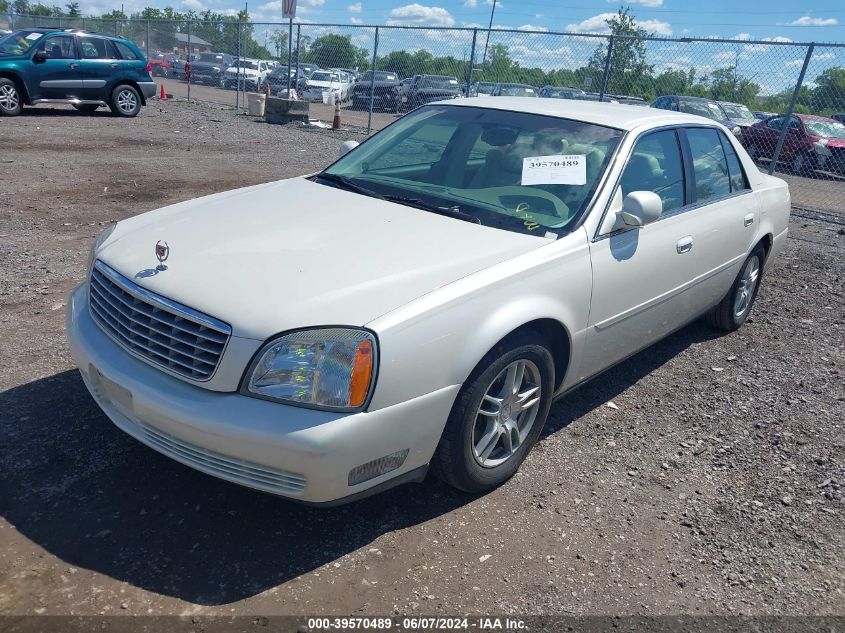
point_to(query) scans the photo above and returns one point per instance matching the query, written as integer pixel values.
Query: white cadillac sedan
(421, 302)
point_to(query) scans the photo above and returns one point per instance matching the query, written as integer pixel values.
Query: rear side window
(95, 48)
(710, 166)
(737, 176)
(655, 165)
(125, 51)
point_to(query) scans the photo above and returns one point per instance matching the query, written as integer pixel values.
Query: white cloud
(808, 21)
(419, 15)
(645, 3)
(314, 3)
(355, 20)
(196, 5)
(598, 24)
(355, 8)
(470, 4)
(531, 27)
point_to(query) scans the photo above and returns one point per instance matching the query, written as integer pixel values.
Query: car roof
(616, 115)
(812, 117)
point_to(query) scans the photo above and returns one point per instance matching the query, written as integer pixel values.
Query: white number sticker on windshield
(34, 36)
(561, 169)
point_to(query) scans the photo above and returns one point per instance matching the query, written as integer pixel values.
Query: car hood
(323, 84)
(295, 253)
(834, 142)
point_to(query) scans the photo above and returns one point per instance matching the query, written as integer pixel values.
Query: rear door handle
(114, 65)
(749, 220)
(684, 245)
(73, 65)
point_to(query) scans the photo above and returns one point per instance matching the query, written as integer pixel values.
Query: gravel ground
(711, 485)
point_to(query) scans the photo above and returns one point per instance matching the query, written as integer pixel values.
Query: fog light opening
(377, 467)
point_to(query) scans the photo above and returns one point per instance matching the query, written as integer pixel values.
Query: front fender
(437, 340)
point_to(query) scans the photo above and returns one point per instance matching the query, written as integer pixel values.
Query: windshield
(205, 57)
(248, 65)
(509, 170)
(447, 83)
(323, 76)
(486, 89)
(703, 108)
(827, 129)
(380, 76)
(737, 111)
(517, 91)
(19, 42)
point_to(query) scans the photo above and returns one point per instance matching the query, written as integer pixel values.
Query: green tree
(4, 6)
(726, 84)
(335, 51)
(829, 93)
(628, 71)
(73, 10)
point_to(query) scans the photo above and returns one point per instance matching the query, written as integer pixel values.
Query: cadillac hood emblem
(162, 253)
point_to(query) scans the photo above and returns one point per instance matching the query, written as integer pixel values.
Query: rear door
(60, 75)
(101, 66)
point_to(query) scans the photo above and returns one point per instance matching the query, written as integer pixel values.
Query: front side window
(58, 47)
(95, 48)
(655, 165)
(710, 166)
(478, 164)
(775, 123)
(19, 42)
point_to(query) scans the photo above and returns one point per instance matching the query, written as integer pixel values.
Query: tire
(803, 164)
(85, 107)
(733, 310)
(11, 100)
(125, 101)
(474, 453)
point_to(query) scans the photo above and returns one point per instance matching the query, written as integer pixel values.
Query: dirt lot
(713, 485)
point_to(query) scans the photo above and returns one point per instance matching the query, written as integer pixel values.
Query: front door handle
(749, 220)
(73, 65)
(684, 245)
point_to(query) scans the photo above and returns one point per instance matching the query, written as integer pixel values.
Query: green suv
(86, 70)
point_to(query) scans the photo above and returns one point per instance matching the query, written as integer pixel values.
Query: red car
(161, 64)
(812, 142)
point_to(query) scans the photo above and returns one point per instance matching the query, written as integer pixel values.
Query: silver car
(421, 302)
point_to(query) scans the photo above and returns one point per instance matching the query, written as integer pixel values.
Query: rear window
(126, 52)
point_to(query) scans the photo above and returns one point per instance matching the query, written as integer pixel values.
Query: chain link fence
(785, 100)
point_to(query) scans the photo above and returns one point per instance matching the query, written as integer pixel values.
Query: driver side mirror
(347, 147)
(40, 56)
(640, 208)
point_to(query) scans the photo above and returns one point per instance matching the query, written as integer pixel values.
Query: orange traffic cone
(336, 122)
(163, 95)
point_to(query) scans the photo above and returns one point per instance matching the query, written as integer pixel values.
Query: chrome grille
(156, 329)
(238, 471)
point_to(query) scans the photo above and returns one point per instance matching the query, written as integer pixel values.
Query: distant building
(198, 45)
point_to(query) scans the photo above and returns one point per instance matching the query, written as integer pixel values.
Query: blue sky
(822, 20)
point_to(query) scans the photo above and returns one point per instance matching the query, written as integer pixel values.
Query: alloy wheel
(747, 286)
(127, 101)
(9, 99)
(506, 414)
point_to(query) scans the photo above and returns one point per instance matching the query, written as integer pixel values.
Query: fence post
(606, 68)
(238, 74)
(148, 40)
(298, 34)
(189, 59)
(372, 84)
(785, 127)
(471, 62)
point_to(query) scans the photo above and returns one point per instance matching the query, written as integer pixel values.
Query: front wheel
(733, 310)
(125, 101)
(497, 417)
(803, 164)
(10, 98)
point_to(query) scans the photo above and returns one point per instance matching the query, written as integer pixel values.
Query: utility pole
(492, 11)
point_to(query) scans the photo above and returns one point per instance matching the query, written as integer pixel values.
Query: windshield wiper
(453, 211)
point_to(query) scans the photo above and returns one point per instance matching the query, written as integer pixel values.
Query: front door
(59, 76)
(641, 275)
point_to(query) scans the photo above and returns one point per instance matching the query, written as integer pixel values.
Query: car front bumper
(299, 453)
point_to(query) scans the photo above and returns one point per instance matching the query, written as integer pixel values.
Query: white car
(422, 301)
(250, 73)
(327, 86)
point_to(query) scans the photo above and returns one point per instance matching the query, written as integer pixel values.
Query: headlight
(101, 238)
(331, 368)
